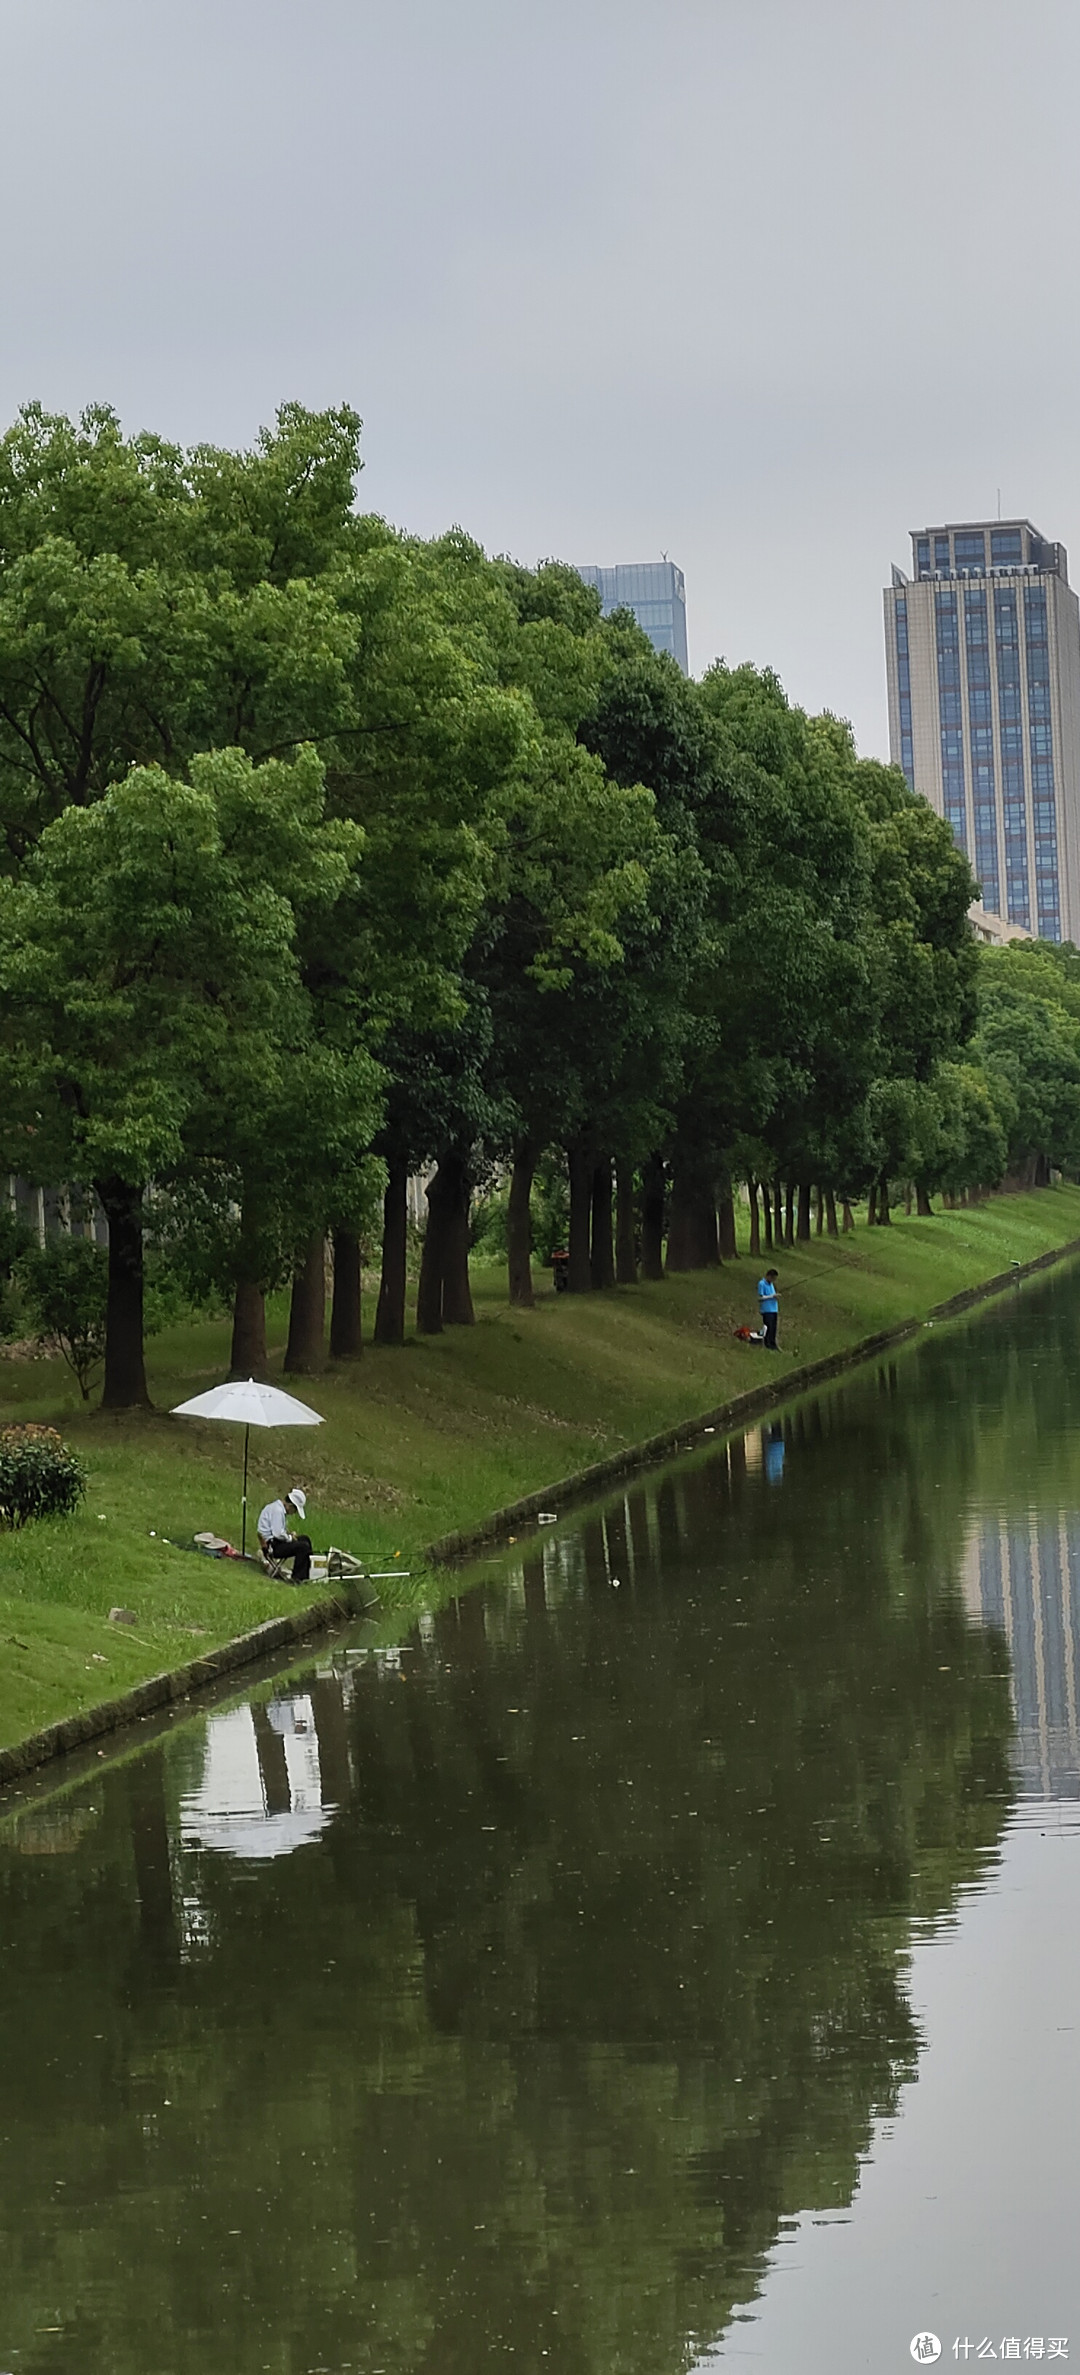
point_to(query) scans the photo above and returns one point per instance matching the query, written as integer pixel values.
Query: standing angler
(769, 1307)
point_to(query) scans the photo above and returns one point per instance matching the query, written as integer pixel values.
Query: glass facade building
(656, 593)
(983, 656)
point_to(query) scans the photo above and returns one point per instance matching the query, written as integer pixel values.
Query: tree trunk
(125, 1385)
(871, 1207)
(429, 1290)
(652, 1218)
(443, 1296)
(830, 1213)
(305, 1350)
(625, 1232)
(519, 1226)
(923, 1206)
(819, 1205)
(727, 1242)
(755, 1221)
(789, 1213)
(247, 1357)
(346, 1331)
(693, 1242)
(457, 1293)
(884, 1219)
(803, 1228)
(766, 1214)
(848, 1216)
(778, 1194)
(390, 1312)
(601, 1241)
(579, 1166)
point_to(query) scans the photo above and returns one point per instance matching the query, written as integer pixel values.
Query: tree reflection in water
(493, 2004)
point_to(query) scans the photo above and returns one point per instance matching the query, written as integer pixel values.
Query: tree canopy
(329, 855)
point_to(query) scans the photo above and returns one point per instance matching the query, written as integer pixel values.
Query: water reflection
(500, 1997)
(1022, 1575)
(261, 1788)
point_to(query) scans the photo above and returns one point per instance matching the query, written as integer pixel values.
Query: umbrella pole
(243, 1504)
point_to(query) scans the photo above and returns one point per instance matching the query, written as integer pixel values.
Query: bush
(39, 1476)
(66, 1282)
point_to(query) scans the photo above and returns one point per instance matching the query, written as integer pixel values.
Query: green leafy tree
(150, 992)
(155, 603)
(1028, 1041)
(783, 997)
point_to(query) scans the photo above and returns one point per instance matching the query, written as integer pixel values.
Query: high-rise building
(656, 593)
(983, 653)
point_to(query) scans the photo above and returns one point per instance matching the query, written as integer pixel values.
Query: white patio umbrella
(249, 1405)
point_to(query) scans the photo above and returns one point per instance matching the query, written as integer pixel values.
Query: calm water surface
(667, 1958)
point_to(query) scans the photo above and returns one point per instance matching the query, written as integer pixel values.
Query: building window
(941, 553)
(922, 556)
(1035, 613)
(1006, 547)
(1040, 731)
(903, 687)
(947, 621)
(1007, 648)
(970, 550)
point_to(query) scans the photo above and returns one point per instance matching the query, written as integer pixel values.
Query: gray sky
(759, 283)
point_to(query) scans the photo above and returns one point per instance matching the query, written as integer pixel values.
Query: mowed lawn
(421, 1440)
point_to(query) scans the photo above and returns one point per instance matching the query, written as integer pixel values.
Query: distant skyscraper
(983, 655)
(656, 593)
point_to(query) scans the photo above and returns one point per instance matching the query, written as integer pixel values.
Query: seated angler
(275, 1539)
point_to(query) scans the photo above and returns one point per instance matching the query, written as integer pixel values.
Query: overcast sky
(762, 284)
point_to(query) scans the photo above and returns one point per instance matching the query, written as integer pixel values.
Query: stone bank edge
(165, 1690)
(280, 1632)
(727, 1418)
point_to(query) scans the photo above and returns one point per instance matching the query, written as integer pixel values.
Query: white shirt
(273, 1522)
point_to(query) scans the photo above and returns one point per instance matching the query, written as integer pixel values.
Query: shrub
(66, 1283)
(39, 1476)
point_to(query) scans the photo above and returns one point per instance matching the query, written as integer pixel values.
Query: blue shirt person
(769, 1307)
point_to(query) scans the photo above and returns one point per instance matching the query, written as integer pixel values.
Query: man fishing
(277, 1543)
(769, 1307)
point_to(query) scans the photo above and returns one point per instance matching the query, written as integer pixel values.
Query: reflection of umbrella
(249, 1405)
(231, 1812)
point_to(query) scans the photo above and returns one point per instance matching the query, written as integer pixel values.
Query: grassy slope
(421, 1440)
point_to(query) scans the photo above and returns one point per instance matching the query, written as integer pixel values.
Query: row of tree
(331, 855)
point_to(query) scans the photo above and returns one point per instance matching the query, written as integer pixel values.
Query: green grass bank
(422, 1441)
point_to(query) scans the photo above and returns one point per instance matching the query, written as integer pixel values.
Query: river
(665, 1958)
